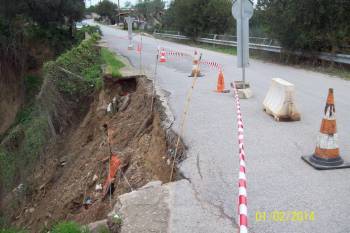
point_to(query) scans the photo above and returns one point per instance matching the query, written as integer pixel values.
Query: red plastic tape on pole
(113, 168)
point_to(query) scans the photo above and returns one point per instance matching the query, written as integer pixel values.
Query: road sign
(129, 21)
(247, 8)
(242, 11)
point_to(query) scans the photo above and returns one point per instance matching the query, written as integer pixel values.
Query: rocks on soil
(74, 168)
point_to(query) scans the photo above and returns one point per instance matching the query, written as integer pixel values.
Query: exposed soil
(12, 90)
(11, 95)
(71, 168)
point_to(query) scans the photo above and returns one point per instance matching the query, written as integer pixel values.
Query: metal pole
(243, 78)
(118, 12)
(141, 70)
(242, 45)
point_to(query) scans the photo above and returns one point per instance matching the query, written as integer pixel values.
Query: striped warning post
(242, 179)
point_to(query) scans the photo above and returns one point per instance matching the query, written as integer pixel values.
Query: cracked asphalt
(205, 202)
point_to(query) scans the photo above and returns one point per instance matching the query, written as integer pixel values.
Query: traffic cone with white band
(162, 56)
(327, 154)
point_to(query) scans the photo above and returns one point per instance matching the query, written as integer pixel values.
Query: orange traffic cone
(327, 154)
(162, 56)
(221, 83)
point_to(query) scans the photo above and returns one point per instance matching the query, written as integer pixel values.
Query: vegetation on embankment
(24, 142)
(58, 99)
(113, 65)
(62, 227)
(32, 32)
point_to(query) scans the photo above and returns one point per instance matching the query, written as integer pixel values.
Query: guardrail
(340, 58)
(257, 43)
(172, 36)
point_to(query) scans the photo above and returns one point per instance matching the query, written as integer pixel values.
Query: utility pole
(118, 12)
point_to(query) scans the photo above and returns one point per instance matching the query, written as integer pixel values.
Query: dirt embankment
(11, 95)
(13, 67)
(71, 168)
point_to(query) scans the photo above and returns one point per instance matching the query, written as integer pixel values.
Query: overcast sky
(122, 2)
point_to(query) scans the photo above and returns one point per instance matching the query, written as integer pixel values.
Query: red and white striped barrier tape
(212, 64)
(176, 53)
(172, 52)
(242, 179)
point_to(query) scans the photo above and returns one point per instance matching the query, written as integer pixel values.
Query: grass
(11, 230)
(69, 227)
(83, 60)
(61, 227)
(73, 227)
(32, 84)
(216, 48)
(30, 137)
(339, 70)
(113, 64)
(7, 168)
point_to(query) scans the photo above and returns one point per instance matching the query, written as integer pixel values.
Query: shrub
(83, 60)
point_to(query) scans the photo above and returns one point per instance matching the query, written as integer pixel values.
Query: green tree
(107, 9)
(46, 12)
(21, 17)
(127, 4)
(312, 25)
(150, 10)
(194, 17)
(219, 17)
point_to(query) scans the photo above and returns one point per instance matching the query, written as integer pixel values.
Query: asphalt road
(277, 178)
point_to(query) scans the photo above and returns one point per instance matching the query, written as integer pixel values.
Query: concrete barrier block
(245, 93)
(280, 101)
